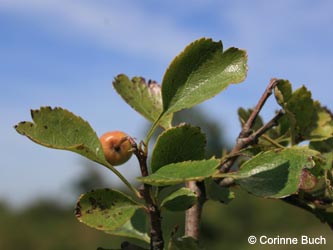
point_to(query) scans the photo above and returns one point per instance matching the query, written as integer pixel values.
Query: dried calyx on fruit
(116, 147)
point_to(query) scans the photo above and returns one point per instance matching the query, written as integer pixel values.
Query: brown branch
(250, 121)
(156, 235)
(246, 136)
(193, 214)
(272, 123)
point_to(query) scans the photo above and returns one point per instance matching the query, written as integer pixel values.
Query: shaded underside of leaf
(134, 228)
(275, 174)
(182, 171)
(180, 200)
(200, 72)
(217, 193)
(145, 98)
(105, 209)
(182, 143)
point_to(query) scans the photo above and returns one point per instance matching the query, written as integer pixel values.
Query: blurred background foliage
(48, 224)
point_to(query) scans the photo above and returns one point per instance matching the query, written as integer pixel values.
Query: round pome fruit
(116, 147)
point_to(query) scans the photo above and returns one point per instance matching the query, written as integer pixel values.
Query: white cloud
(116, 25)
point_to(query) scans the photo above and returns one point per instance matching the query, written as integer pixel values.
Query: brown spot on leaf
(77, 210)
(102, 206)
(307, 180)
(93, 202)
(80, 147)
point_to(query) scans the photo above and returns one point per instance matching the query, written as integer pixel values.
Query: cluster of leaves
(293, 161)
(276, 167)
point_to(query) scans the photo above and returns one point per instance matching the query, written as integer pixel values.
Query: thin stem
(123, 179)
(273, 142)
(156, 236)
(250, 121)
(246, 136)
(152, 129)
(193, 214)
(272, 123)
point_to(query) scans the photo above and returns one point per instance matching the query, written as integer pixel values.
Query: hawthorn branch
(250, 121)
(156, 235)
(246, 136)
(272, 123)
(193, 214)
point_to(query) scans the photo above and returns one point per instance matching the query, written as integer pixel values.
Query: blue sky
(66, 53)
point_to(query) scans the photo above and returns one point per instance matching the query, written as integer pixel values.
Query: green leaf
(301, 112)
(134, 228)
(200, 72)
(180, 200)
(326, 149)
(217, 193)
(306, 118)
(105, 209)
(282, 92)
(60, 129)
(145, 98)
(275, 174)
(322, 194)
(175, 173)
(325, 146)
(328, 163)
(178, 144)
(184, 243)
(324, 125)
